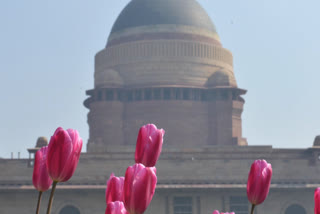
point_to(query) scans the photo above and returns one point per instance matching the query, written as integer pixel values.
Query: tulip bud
(139, 187)
(116, 207)
(149, 145)
(317, 201)
(63, 154)
(114, 191)
(259, 181)
(40, 178)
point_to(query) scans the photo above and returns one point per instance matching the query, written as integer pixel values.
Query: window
(182, 205)
(147, 94)
(121, 95)
(166, 94)
(196, 94)
(99, 95)
(212, 95)
(138, 95)
(204, 95)
(157, 93)
(69, 210)
(130, 96)
(186, 94)
(295, 209)
(178, 93)
(224, 95)
(109, 95)
(239, 205)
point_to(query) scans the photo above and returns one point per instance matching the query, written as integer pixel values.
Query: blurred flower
(40, 178)
(116, 207)
(217, 212)
(317, 201)
(63, 154)
(114, 191)
(149, 145)
(139, 187)
(259, 181)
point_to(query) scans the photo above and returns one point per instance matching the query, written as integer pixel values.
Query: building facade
(164, 63)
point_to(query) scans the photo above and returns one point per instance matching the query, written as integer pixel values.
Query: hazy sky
(47, 53)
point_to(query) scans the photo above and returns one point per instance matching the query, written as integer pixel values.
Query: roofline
(170, 186)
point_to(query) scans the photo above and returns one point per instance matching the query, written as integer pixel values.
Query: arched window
(69, 210)
(295, 209)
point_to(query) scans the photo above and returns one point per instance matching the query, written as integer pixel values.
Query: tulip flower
(63, 156)
(317, 201)
(149, 145)
(40, 178)
(139, 187)
(259, 182)
(116, 207)
(114, 191)
(217, 212)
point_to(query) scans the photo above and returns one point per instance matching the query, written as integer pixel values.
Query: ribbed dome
(168, 12)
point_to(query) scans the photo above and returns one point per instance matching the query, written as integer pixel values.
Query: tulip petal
(40, 178)
(139, 188)
(58, 153)
(74, 159)
(141, 144)
(259, 180)
(149, 145)
(317, 201)
(63, 154)
(114, 191)
(116, 207)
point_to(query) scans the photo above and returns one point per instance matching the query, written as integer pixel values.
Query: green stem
(39, 202)
(252, 208)
(51, 196)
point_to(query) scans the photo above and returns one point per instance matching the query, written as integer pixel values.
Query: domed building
(164, 63)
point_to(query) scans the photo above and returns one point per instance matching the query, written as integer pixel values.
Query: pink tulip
(139, 186)
(317, 201)
(259, 181)
(116, 207)
(40, 178)
(114, 191)
(149, 145)
(217, 212)
(63, 154)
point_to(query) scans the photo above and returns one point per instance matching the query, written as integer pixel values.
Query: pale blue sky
(47, 53)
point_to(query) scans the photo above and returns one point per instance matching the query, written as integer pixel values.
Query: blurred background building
(164, 63)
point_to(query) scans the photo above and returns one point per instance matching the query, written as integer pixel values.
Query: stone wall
(204, 200)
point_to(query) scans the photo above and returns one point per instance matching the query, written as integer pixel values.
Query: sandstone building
(164, 63)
